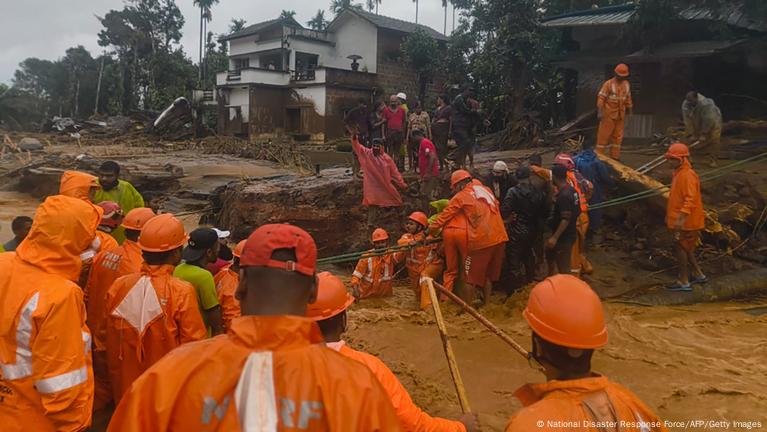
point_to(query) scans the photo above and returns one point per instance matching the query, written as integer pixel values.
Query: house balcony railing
(321, 36)
(303, 75)
(253, 75)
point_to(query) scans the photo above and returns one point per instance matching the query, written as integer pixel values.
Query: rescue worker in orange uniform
(685, 217)
(78, 184)
(107, 267)
(271, 370)
(486, 233)
(568, 324)
(151, 312)
(419, 257)
(579, 264)
(374, 274)
(111, 219)
(613, 104)
(226, 285)
(45, 346)
(329, 311)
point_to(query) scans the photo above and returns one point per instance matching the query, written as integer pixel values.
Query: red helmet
(332, 298)
(565, 311)
(113, 214)
(565, 160)
(379, 234)
(622, 70)
(458, 176)
(419, 218)
(677, 151)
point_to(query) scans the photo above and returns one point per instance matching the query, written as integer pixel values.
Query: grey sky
(46, 28)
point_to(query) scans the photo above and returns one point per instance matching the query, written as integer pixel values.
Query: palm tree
(416, 11)
(287, 14)
(318, 22)
(373, 4)
(205, 6)
(338, 6)
(444, 6)
(236, 25)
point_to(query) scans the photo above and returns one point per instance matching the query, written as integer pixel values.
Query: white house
(283, 76)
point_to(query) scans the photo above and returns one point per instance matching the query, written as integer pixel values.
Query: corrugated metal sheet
(610, 18)
(639, 126)
(685, 49)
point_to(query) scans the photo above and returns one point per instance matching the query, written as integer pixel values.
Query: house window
(241, 63)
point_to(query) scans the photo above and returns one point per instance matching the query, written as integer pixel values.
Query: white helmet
(402, 96)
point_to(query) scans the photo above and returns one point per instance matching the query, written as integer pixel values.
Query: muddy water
(14, 204)
(703, 362)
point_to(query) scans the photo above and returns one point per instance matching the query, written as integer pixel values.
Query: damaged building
(721, 55)
(284, 78)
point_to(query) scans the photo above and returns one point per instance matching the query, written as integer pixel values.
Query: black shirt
(566, 201)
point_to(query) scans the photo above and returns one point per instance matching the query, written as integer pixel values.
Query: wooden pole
(452, 364)
(484, 321)
(660, 160)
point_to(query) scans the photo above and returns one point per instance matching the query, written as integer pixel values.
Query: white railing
(254, 76)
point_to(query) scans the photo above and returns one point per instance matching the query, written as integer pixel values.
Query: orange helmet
(380, 234)
(565, 160)
(622, 70)
(112, 214)
(677, 151)
(238, 249)
(136, 218)
(162, 233)
(419, 218)
(458, 176)
(564, 310)
(332, 298)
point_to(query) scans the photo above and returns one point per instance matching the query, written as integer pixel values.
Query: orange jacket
(541, 172)
(374, 275)
(106, 241)
(417, 258)
(45, 367)
(77, 184)
(150, 313)
(108, 265)
(614, 98)
(269, 372)
(583, 197)
(410, 416)
(569, 401)
(482, 211)
(226, 285)
(685, 198)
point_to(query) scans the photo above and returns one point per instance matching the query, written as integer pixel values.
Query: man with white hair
(500, 180)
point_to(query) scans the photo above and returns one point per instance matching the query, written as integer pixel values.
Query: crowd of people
(105, 303)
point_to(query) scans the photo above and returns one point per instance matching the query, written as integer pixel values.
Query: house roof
(395, 24)
(685, 49)
(621, 14)
(255, 28)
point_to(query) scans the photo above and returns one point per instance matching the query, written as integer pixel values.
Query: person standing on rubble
(685, 217)
(500, 180)
(540, 178)
(559, 246)
(567, 323)
(329, 311)
(380, 180)
(396, 125)
(418, 120)
(703, 122)
(119, 191)
(428, 164)
(271, 371)
(613, 104)
(464, 119)
(594, 170)
(583, 188)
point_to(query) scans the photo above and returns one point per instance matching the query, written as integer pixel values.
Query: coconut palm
(373, 5)
(289, 14)
(444, 6)
(318, 22)
(338, 6)
(205, 15)
(416, 11)
(236, 25)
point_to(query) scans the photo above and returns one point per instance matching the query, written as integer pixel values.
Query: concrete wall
(315, 95)
(240, 96)
(267, 110)
(248, 44)
(356, 36)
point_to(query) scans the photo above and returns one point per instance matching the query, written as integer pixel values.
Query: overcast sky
(46, 28)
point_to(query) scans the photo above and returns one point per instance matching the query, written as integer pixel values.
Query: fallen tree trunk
(722, 288)
(635, 182)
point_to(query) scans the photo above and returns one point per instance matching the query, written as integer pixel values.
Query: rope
(355, 256)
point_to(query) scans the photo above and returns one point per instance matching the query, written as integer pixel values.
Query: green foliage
(338, 6)
(17, 108)
(236, 25)
(422, 53)
(289, 14)
(319, 22)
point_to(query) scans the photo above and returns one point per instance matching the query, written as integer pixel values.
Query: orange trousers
(456, 250)
(579, 264)
(102, 383)
(610, 136)
(432, 270)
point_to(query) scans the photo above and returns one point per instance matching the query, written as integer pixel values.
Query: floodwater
(701, 362)
(14, 204)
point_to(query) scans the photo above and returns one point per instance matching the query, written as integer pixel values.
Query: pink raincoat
(380, 171)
